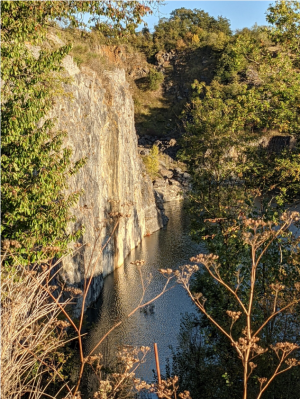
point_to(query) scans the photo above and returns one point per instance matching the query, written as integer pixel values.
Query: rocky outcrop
(171, 183)
(165, 145)
(118, 207)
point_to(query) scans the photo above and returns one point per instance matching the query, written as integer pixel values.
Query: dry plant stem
(246, 357)
(112, 329)
(28, 322)
(124, 376)
(130, 314)
(275, 314)
(196, 302)
(219, 280)
(246, 348)
(273, 376)
(255, 263)
(45, 364)
(56, 301)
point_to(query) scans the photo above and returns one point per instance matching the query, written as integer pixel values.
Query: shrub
(155, 79)
(151, 161)
(31, 333)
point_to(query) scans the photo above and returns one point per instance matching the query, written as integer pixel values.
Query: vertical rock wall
(99, 119)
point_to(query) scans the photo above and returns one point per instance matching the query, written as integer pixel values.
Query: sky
(241, 14)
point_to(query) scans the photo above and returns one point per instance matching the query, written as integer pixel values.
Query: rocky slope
(118, 206)
(171, 182)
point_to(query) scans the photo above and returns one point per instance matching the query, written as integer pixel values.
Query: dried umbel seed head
(62, 324)
(93, 359)
(141, 385)
(244, 344)
(185, 395)
(138, 262)
(144, 349)
(259, 350)
(197, 295)
(167, 272)
(184, 273)
(5, 244)
(290, 217)
(292, 362)
(286, 347)
(277, 287)
(202, 258)
(262, 380)
(234, 315)
(252, 365)
(255, 223)
(297, 286)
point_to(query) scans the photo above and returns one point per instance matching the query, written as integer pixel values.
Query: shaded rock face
(99, 119)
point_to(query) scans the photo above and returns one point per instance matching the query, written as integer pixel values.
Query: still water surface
(169, 247)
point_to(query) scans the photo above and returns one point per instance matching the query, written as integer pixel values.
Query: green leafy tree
(184, 23)
(285, 18)
(254, 96)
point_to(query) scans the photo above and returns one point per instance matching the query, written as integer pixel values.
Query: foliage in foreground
(34, 350)
(254, 304)
(238, 177)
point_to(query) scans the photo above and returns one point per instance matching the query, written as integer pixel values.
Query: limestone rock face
(168, 190)
(99, 119)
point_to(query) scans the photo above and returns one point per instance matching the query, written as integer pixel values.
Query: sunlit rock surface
(98, 115)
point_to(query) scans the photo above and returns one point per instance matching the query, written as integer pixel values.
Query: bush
(151, 161)
(155, 79)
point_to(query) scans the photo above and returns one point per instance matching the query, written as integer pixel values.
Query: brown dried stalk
(247, 345)
(42, 304)
(29, 321)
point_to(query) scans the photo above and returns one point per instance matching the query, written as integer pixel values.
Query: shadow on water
(167, 248)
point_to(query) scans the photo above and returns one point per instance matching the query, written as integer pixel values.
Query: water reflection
(167, 248)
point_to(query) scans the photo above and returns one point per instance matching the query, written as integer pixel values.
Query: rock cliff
(99, 118)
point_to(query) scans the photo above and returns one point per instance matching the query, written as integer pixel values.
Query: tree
(251, 99)
(35, 165)
(285, 18)
(184, 22)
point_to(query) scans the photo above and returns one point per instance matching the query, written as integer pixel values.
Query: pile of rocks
(173, 185)
(165, 145)
(164, 58)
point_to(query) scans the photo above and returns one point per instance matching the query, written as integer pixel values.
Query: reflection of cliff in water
(167, 248)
